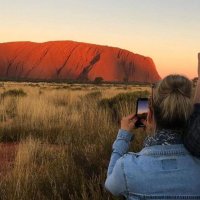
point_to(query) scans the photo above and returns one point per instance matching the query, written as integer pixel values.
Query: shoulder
(197, 107)
(192, 135)
(195, 116)
(129, 158)
(131, 164)
(130, 155)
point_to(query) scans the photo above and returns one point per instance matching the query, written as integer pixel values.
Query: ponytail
(172, 103)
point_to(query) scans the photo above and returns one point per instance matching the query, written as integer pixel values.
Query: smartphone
(142, 108)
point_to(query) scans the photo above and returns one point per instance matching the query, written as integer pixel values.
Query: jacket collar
(170, 150)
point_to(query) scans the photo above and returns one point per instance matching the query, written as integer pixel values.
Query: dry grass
(63, 139)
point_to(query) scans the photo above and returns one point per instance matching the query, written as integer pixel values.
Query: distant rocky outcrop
(69, 60)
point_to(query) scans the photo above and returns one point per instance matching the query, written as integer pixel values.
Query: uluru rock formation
(69, 60)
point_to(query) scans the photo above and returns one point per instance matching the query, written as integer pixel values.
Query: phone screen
(141, 111)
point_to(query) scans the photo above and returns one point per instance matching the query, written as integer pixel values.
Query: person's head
(171, 105)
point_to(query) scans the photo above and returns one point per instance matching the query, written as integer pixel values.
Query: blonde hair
(172, 104)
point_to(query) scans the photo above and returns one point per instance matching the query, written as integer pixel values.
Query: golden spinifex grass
(64, 134)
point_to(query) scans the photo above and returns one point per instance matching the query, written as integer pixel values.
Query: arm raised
(192, 136)
(197, 93)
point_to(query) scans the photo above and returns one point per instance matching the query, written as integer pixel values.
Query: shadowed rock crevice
(37, 63)
(65, 62)
(12, 60)
(84, 74)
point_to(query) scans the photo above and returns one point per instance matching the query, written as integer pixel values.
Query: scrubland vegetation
(56, 139)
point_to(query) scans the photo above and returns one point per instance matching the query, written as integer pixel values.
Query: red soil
(7, 157)
(64, 60)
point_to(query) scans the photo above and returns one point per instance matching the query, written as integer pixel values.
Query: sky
(165, 30)
(143, 107)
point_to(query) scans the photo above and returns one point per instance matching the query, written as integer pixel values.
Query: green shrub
(62, 87)
(14, 93)
(117, 103)
(123, 97)
(98, 80)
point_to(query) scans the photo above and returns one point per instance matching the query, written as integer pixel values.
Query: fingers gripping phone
(142, 107)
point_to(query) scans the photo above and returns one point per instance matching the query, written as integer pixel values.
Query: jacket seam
(165, 153)
(125, 179)
(158, 154)
(165, 196)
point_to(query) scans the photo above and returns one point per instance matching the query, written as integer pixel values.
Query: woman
(164, 168)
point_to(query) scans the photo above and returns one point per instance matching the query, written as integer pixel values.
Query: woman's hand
(144, 121)
(128, 122)
(197, 93)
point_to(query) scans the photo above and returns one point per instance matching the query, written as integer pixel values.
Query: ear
(150, 116)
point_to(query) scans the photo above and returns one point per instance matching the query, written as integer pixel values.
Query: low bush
(122, 102)
(14, 92)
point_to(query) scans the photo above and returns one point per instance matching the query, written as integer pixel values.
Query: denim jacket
(156, 172)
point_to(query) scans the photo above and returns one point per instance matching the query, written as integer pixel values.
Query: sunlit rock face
(69, 60)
